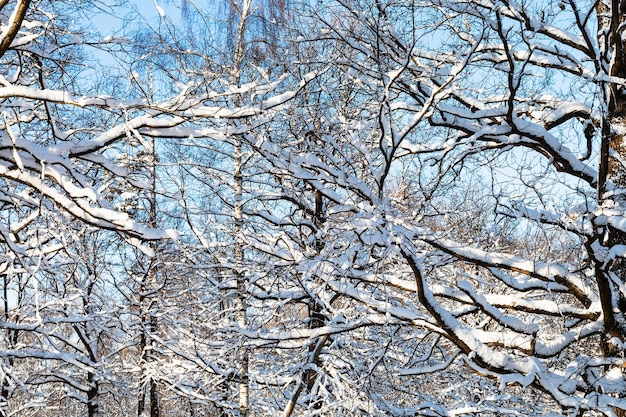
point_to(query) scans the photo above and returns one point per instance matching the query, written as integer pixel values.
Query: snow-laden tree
(78, 166)
(523, 100)
(206, 174)
(63, 173)
(383, 208)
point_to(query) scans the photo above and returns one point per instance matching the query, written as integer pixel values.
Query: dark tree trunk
(611, 169)
(612, 15)
(92, 396)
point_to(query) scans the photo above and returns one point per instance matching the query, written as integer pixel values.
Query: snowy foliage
(341, 208)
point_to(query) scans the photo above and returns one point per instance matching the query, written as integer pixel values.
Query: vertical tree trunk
(4, 393)
(148, 316)
(152, 276)
(11, 338)
(93, 405)
(316, 320)
(240, 301)
(241, 304)
(316, 316)
(612, 15)
(141, 400)
(85, 334)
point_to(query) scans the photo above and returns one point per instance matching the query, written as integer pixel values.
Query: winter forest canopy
(325, 208)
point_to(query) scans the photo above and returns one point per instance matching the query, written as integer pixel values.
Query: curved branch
(15, 23)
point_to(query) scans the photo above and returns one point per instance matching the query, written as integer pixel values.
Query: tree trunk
(612, 14)
(611, 170)
(316, 320)
(316, 316)
(240, 278)
(148, 317)
(241, 304)
(11, 337)
(93, 406)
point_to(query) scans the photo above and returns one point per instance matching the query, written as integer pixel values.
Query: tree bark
(15, 23)
(241, 303)
(612, 15)
(148, 317)
(612, 171)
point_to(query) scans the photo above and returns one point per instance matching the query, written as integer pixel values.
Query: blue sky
(108, 24)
